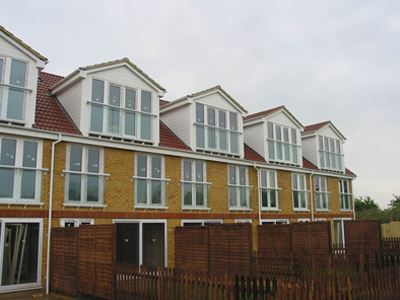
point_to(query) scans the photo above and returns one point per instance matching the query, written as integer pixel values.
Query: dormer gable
(209, 121)
(280, 133)
(19, 69)
(114, 99)
(323, 145)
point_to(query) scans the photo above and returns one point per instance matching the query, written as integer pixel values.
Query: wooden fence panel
(391, 230)
(64, 261)
(362, 236)
(274, 238)
(313, 238)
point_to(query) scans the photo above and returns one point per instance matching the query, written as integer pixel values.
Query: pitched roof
(50, 115)
(251, 154)
(317, 126)
(163, 102)
(263, 113)
(308, 164)
(22, 44)
(169, 139)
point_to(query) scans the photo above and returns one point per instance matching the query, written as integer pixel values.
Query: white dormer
(276, 135)
(19, 71)
(208, 121)
(323, 146)
(114, 99)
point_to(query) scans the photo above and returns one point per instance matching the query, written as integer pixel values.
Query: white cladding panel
(255, 137)
(178, 120)
(329, 133)
(282, 119)
(71, 99)
(218, 101)
(8, 51)
(310, 152)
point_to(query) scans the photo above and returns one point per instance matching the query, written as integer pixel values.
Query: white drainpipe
(49, 219)
(258, 193)
(311, 197)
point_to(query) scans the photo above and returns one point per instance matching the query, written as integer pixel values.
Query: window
(13, 90)
(20, 170)
(84, 175)
(283, 144)
(245, 221)
(21, 249)
(300, 199)
(330, 153)
(188, 223)
(216, 129)
(119, 111)
(75, 222)
(321, 193)
(303, 220)
(149, 181)
(269, 190)
(338, 230)
(346, 198)
(238, 188)
(274, 221)
(194, 191)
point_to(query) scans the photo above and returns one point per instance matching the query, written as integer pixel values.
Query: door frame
(147, 221)
(23, 286)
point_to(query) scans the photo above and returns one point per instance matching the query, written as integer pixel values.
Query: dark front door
(153, 245)
(128, 243)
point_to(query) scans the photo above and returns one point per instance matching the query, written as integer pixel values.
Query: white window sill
(23, 203)
(239, 209)
(322, 210)
(152, 207)
(271, 209)
(84, 205)
(196, 208)
(300, 209)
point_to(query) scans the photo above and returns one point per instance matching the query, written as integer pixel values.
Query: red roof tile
(170, 139)
(251, 154)
(263, 113)
(50, 115)
(308, 164)
(316, 126)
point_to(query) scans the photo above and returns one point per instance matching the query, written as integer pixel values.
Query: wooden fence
(362, 236)
(391, 230)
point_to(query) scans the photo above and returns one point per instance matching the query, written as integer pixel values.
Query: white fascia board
(67, 82)
(28, 132)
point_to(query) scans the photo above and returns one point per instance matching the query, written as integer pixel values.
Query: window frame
(77, 221)
(18, 167)
(202, 221)
(321, 195)
(83, 202)
(348, 196)
(269, 187)
(298, 190)
(237, 187)
(274, 221)
(325, 154)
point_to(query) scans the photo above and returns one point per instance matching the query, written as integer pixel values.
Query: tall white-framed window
(149, 181)
(283, 144)
(330, 153)
(238, 188)
(338, 230)
(216, 129)
(346, 197)
(321, 193)
(20, 253)
(300, 193)
(13, 89)
(269, 189)
(84, 177)
(20, 170)
(121, 110)
(75, 222)
(194, 184)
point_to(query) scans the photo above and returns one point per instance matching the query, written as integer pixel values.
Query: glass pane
(96, 118)
(279, 150)
(1, 69)
(270, 130)
(146, 101)
(286, 134)
(211, 116)
(113, 120)
(6, 183)
(294, 136)
(338, 150)
(141, 191)
(187, 170)
(264, 198)
(272, 179)
(93, 160)
(286, 147)
(263, 178)
(221, 119)
(98, 91)
(200, 136)
(156, 167)
(187, 194)
(199, 195)
(93, 188)
(273, 198)
(271, 150)
(17, 73)
(321, 143)
(211, 137)
(145, 129)
(141, 168)
(232, 196)
(296, 199)
(232, 175)
(156, 192)
(130, 98)
(295, 154)
(234, 142)
(30, 153)
(20, 253)
(243, 197)
(15, 106)
(278, 135)
(303, 199)
(115, 95)
(326, 144)
(233, 121)
(242, 175)
(74, 188)
(130, 123)
(301, 182)
(28, 184)
(199, 113)
(75, 159)
(332, 142)
(7, 156)
(294, 181)
(222, 139)
(199, 171)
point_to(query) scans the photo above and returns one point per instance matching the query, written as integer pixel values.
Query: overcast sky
(324, 60)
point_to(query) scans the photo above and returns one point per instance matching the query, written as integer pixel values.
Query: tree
(365, 203)
(395, 202)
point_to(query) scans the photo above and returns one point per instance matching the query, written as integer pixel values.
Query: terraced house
(101, 146)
